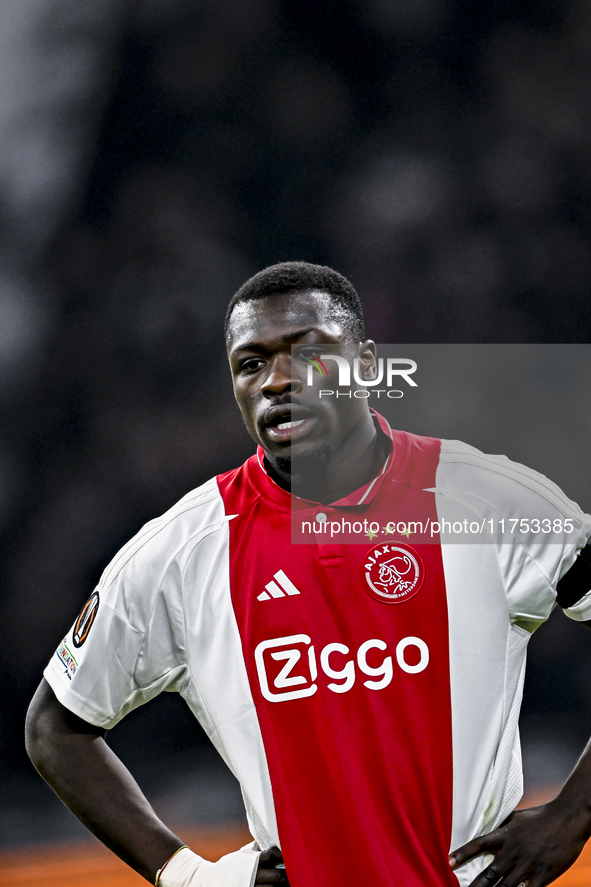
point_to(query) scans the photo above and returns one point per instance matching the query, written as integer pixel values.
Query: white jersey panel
(478, 630)
(219, 683)
(165, 621)
(487, 666)
(498, 593)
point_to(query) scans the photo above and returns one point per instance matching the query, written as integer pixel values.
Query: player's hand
(531, 848)
(267, 872)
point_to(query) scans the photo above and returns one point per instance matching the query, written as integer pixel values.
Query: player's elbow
(53, 734)
(34, 742)
(46, 729)
(38, 728)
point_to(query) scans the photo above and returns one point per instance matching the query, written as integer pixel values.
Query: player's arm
(534, 847)
(73, 757)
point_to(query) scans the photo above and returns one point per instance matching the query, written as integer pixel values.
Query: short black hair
(289, 277)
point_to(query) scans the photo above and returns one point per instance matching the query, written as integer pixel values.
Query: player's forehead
(284, 317)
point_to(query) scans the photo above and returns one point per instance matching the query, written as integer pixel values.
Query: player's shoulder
(457, 453)
(458, 459)
(163, 540)
(465, 470)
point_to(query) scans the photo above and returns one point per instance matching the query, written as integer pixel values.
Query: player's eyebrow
(259, 346)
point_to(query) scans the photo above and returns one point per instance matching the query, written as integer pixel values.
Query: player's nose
(280, 378)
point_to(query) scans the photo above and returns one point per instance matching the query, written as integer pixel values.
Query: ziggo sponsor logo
(284, 664)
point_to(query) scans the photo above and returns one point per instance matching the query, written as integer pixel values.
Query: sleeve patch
(85, 620)
(67, 659)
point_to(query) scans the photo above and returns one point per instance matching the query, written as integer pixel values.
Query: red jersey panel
(346, 650)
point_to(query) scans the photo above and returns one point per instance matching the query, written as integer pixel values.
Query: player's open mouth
(290, 430)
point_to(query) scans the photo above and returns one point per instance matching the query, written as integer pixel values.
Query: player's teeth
(283, 425)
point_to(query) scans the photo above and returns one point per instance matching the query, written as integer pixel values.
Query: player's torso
(346, 651)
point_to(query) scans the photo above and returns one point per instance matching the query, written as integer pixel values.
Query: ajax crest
(393, 573)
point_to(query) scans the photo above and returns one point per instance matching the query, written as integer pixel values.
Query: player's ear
(368, 360)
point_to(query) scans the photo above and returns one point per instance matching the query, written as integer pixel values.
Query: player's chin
(289, 448)
(301, 453)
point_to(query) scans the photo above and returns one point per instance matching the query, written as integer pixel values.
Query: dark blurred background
(154, 154)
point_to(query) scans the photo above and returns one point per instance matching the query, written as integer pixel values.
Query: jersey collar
(361, 496)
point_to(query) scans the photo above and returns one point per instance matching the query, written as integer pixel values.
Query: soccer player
(364, 689)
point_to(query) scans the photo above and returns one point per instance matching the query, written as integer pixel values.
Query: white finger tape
(187, 869)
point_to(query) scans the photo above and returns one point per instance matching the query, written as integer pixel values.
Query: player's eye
(251, 365)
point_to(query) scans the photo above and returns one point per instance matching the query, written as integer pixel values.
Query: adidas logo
(280, 588)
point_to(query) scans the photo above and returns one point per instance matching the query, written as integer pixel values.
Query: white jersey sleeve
(537, 530)
(128, 643)
(161, 619)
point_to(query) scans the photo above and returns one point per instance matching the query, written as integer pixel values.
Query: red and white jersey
(366, 696)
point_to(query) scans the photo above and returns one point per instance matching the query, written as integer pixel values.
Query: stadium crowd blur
(155, 153)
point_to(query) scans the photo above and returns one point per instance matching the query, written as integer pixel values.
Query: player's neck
(328, 477)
